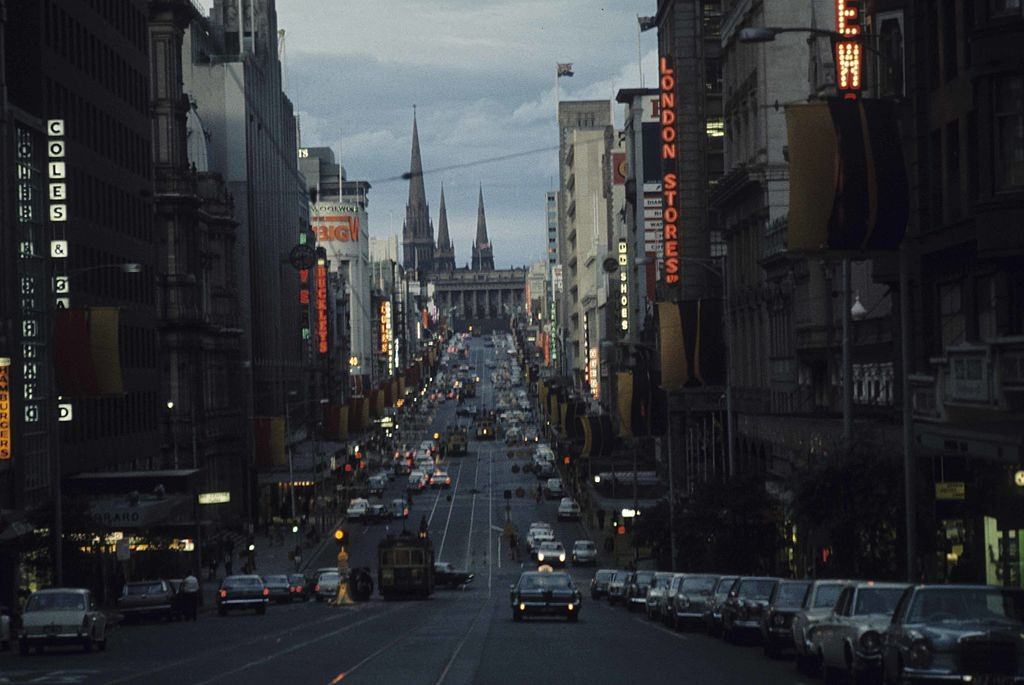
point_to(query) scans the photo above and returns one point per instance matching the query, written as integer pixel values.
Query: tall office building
(551, 213)
(235, 74)
(78, 335)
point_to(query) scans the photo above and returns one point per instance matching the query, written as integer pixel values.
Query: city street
(465, 636)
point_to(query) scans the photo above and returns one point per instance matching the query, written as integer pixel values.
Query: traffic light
(341, 538)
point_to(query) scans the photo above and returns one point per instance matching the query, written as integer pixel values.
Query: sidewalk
(272, 557)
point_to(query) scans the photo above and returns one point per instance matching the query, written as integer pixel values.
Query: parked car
(326, 585)
(357, 509)
(545, 594)
(446, 575)
(617, 587)
(62, 616)
(744, 607)
(657, 593)
(599, 583)
(584, 552)
(242, 592)
(637, 585)
(786, 599)
(952, 633)
(146, 598)
(849, 640)
(713, 608)
(818, 604)
(299, 587)
(568, 510)
(692, 593)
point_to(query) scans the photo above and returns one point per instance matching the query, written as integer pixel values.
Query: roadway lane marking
(663, 629)
(472, 513)
(236, 645)
(451, 506)
(344, 674)
(299, 645)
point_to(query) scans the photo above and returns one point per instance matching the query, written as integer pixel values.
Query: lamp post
(171, 432)
(767, 34)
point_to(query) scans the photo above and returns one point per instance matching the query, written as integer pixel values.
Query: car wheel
(87, 645)
(221, 611)
(103, 643)
(23, 647)
(516, 616)
(261, 609)
(574, 617)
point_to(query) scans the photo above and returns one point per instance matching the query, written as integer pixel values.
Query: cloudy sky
(481, 73)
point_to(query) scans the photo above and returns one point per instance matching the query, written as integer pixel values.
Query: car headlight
(540, 557)
(571, 606)
(561, 557)
(779, 620)
(920, 655)
(870, 641)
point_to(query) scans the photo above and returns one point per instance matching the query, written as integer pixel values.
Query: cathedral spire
(444, 256)
(417, 232)
(483, 255)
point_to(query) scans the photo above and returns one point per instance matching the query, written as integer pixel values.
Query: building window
(951, 314)
(985, 305)
(1008, 110)
(890, 59)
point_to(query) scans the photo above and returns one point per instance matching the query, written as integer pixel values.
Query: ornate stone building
(418, 230)
(483, 253)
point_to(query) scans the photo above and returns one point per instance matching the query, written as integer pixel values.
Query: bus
(405, 566)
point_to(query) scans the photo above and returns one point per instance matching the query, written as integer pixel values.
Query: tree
(847, 507)
(730, 527)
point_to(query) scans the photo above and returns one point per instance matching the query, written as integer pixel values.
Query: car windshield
(876, 600)
(297, 579)
(644, 577)
(143, 588)
(56, 601)
(604, 575)
(967, 604)
(240, 582)
(791, 594)
(331, 577)
(275, 580)
(585, 546)
(755, 588)
(826, 595)
(545, 581)
(724, 586)
(699, 585)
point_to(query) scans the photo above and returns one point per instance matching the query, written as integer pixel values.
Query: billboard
(340, 228)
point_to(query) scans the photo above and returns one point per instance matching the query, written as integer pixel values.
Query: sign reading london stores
(670, 174)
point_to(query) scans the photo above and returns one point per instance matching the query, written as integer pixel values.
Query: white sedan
(568, 510)
(62, 616)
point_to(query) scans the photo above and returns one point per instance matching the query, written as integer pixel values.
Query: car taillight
(266, 592)
(317, 588)
(298, 589)
(223, 594)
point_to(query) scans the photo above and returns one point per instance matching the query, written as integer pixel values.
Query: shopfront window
(1002, 554)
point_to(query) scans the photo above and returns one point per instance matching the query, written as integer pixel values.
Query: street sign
(65, 412)
(214, 497)
(950, 490)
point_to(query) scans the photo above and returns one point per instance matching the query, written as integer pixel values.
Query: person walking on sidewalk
(190, 592)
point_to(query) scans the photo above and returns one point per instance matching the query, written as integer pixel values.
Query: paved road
(454, 637)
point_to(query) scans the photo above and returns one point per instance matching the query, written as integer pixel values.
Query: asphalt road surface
(457, 636)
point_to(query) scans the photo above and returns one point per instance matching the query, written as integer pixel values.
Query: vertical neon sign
(670, 177)
(321, 306)
(849, 56)
(5, 408)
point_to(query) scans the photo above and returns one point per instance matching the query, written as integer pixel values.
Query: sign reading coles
(670, 175)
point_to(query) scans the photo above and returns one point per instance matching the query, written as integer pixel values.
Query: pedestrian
(228, 564)
(213, 567)
(190, 591)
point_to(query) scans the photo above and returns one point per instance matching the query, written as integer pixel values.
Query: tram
(405, 566)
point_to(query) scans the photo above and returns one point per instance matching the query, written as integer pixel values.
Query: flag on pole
(564, 69)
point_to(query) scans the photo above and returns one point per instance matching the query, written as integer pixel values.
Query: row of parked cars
(866, 631)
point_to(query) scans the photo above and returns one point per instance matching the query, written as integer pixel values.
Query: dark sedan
(242, 592)
(599, 584)
(637, 586)
(747, 603)
(299, 587)
(446, 575)
(278, 588)
(786, 600)
(545, 594)
(956, 634)
(146, 598)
